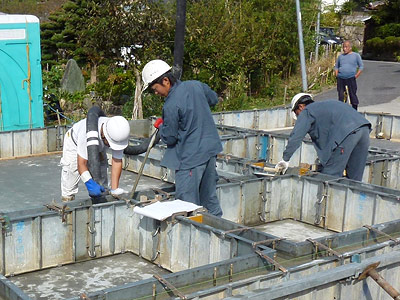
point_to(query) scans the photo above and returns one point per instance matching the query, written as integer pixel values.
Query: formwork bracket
(62, 210)
(267, 242)
(5, 222)
(322, 246)
(169, 286)
(272, 261)
(370, 228)
(236, 230)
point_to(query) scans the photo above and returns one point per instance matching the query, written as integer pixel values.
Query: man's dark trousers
(351, 85)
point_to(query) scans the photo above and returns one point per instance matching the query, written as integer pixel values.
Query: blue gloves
(94, 188)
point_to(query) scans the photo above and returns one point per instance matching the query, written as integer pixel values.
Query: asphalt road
(378, 88)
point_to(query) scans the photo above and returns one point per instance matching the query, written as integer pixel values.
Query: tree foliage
(242, 48)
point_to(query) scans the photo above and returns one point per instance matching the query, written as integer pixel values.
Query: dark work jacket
(328, 123)
(189, 129)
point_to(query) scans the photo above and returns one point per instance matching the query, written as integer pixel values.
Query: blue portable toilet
(21, 103)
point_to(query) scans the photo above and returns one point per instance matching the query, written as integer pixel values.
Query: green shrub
(390, 29)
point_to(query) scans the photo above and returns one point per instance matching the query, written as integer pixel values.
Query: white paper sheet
(162, 210)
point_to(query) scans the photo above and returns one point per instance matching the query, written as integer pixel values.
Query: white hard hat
(116, 131)
(302, 97)
(152, 70)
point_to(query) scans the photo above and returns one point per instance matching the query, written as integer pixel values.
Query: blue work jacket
(328, 123)
(188, 128)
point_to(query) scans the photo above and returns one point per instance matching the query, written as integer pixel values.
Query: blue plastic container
(21, 102)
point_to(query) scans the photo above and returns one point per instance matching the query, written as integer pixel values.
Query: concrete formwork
(43, 239)
(216, 258)
(384, 125)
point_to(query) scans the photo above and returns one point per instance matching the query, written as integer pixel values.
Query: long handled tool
(153, 138)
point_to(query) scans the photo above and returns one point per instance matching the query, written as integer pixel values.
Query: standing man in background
(347, 69)
(188, 129)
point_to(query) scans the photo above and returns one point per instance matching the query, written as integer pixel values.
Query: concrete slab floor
(34, 181)
(293, 230)
(85, 277)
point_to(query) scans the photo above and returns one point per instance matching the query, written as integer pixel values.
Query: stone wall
(352, 28)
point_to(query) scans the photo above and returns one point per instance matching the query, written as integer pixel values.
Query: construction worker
(339, 133)
(113, 133)
(348, 67)
(188, 129)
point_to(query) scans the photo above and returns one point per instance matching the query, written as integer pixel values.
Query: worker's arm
(301, 128)
(170, 126)
(92, 186)
(116, 170)
(360, 65)
(82, 165)
(212, 97)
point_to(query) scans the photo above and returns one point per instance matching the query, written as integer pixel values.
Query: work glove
(117, 192)
(94, 188)
(282, 166)
(158, 122)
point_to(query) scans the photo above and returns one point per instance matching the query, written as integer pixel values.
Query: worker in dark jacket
(339, 133)
(188, 129)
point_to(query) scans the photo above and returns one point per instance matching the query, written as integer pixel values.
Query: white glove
(282, 166)
(117, 192)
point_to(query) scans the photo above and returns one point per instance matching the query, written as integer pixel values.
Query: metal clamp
(272, 261)
(322, 246)
(266, 242)
(169, 286)
(61, 210)
(5, 222)
(396, 241)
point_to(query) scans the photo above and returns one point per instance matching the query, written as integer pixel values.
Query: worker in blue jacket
(339, 133)
(188, 129)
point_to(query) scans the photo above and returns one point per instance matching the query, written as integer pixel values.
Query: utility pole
(301, 47)
(179, 37)
(317, 32)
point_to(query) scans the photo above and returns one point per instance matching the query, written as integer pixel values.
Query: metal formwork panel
(82, 235)
(175, 255)
(39, 141)
(243, 119)
(147, 240)
(396, 128)
(252, 193)
(22, 143)
(6, 144)
(56, 240)
(274, 118)
(392, 174)
(22, 246)
(335, 203)
(107, 229)
(126, 221)
(282, 196)
(232, 204)
(387, 209)
(359, 209)
(311, 190)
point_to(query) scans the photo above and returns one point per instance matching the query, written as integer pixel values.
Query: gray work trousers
(351, 155)
(199, 186)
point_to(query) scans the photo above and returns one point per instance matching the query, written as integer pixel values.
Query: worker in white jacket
(112, 132)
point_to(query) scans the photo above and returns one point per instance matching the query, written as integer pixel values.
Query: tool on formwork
(347, 95)
(303, 169)
(153, 138)
(371, 272)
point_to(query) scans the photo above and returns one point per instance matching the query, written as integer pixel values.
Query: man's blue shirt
(348, 64)
(189, 129)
